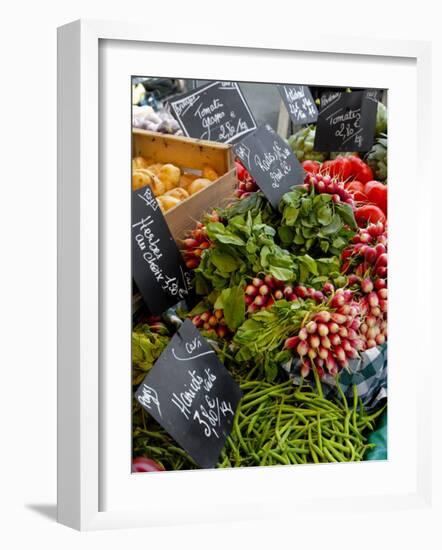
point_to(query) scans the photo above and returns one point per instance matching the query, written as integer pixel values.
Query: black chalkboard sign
(346, 121)
(271, 163)
(157, 265)
(299, 103)
(192, 395)
(216, 112)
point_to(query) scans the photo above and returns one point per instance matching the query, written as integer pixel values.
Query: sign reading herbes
(299, 103)
(192, 395)
(215, 112)
(158, 268)
(271, 163)
(346, 121)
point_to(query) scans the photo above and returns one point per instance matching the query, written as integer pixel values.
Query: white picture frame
(95, 487)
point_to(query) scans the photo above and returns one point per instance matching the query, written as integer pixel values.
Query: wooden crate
(190, 155)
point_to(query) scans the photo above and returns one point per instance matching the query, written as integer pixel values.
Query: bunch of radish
(196, 242)
(373, 305)
(325, 183)
(368, 252)
(212, 321)
(246, 184)
(329, 338)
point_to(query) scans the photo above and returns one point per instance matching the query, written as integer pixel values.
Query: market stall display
(291, 295)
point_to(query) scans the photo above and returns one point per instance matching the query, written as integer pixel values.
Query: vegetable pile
(304, 285)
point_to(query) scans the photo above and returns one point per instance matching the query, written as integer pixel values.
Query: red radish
(288, 291)
(314, 341)
(303, 334)
(328, 288)
(330, 364)
(263, 290)
(318, 296)
(383, 304)
(376, 311)
(144, 464)
(213, 321)
(365, 238)
(325, 342)
(256, 281)
(248, 299)
(302, 348)
(335, 339)
(206, 326)
(382, 260)
(278, 294)
(251, 290)
(291, 342)
(205, 316)
(338, 300)
(381, 271)
(351, 353)
(323, 353)
(268, 280)
(346, 345)
(333, 328)
(367, 285)
(305, 370)
(370, 321)
(339, 353)
(253, 308)
(343, 332)
(353, 279)
(190, 243)
(322, 329)
(311, 327)
(259, 300)
(301, 291)
(371, 343)
(383, 293)
(196, 320)
(355, 325)
(311, 353)
(380, 339)
(345, 309)
(373, 299)
(363, 328)
(338, 318)
(221, 331)
(270, 301)
(323, 316)
(192, 264)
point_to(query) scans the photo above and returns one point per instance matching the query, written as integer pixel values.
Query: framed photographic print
(231, 279)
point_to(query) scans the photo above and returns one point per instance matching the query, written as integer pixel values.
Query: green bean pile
(274, 424)
(278, 424)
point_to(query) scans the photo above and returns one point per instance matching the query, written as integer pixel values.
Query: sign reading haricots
(192, 395)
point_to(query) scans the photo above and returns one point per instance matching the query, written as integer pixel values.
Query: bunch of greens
(255, 203)
(147, 346)
(314, 223)
(260, 338)
(242, 248)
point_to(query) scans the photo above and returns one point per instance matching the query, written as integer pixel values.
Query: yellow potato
(209, 173)
(166, 203)
(169, 175)
(186, 179)
(141, 178)
(140, 162)
(198, 185)
(177, 192)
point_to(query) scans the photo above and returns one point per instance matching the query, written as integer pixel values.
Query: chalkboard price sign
(271, 163)
(158, 268)
(192, 395)
(216, 112)
(299, 103)
(346, 121)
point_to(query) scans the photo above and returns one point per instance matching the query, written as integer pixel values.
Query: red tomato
(241, 172)
(357, 189)
(343, 168)
(369, 213)
(311, 166)
(143, 464)
(377, 193)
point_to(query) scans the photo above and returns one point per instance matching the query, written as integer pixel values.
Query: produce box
(191, 156)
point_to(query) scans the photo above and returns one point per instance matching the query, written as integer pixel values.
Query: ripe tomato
(377, 193)
(369, 213)
(311, 166)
